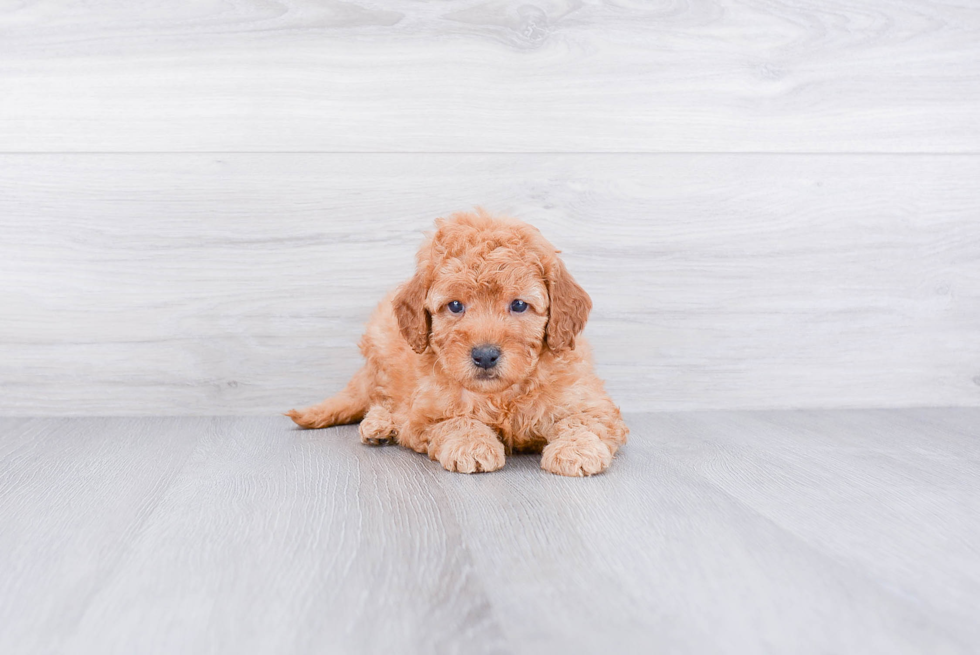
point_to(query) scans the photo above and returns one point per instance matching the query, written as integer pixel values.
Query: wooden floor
(848, 531)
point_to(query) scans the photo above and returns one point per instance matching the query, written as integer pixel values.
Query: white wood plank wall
(773, 204)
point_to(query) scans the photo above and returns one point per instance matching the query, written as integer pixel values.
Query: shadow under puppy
(478, 354)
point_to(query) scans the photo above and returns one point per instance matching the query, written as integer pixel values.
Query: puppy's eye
(455, 307)
(518, 306)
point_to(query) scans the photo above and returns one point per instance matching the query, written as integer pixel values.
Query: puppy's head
(488, 298)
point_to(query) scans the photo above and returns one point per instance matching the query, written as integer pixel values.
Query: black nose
(485, 356)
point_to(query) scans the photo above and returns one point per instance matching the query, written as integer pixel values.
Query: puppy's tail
(349, 406)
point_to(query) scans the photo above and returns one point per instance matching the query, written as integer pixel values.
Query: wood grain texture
(75, 494)
(749, 532)
(260, 544)
(238, 284)
(497, 76)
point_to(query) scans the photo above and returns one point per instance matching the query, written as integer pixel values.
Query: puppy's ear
(414, 321)
(570, 307)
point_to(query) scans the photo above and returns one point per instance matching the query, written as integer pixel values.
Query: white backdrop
(772, 204)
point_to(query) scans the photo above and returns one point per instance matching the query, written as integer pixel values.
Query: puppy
(479, 354)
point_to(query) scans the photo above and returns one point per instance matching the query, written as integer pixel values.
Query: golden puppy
(479, 354)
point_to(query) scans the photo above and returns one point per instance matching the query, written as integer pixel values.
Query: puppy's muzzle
(486, 357)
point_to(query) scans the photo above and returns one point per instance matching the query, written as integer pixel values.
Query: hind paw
(308, 418)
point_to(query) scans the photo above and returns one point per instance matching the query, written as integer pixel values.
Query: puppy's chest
(516, 423)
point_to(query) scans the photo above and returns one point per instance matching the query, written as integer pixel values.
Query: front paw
(467, 453)
(377, 427)
(576, 455)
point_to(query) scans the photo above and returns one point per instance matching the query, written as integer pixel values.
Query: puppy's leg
(464, 445)
(349, 406)
(377, 427)
(584, 443)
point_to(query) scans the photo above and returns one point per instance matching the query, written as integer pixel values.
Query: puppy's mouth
(486, 380)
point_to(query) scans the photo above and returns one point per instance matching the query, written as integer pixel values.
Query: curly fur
(420, 388)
